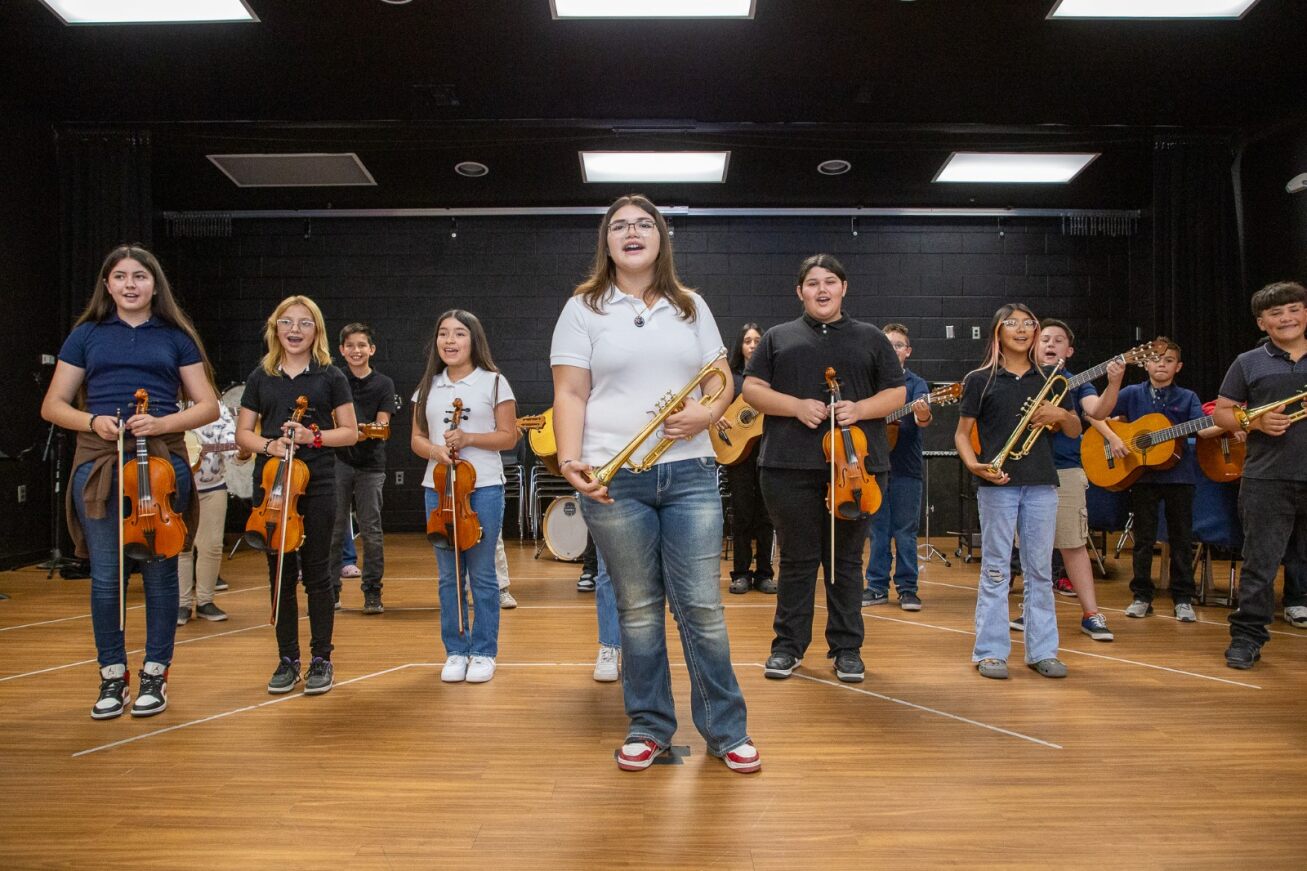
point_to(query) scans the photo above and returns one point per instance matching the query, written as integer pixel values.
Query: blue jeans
(897, 519)
(610, 634)
(661, 538)
(160, 577)
(1006, 511)
(477, 565)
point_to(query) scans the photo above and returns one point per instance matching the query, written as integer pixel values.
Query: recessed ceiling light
(150, 11)
(990, 167)
(471, 169)
(652, 8)
(834, 167)
(654, 166)
(1151, 8)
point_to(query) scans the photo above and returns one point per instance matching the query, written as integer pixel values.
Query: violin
(151, 529)
(453, 523)
(852, 493)
(276, 524)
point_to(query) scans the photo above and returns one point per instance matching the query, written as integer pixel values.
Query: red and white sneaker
(1062, 586)
(637, 755)
(744, 759)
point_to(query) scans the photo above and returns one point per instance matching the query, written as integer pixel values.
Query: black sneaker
(372, 603)
(283, 680)
(780, 666)
(114, 693)
(319, 679)
(849, 667)
(909, 602)
(335, 598)
(871, 597)
(183, 616)
(585, 583)
(1242, 653)
(220, 584)
(211, 612)
(153, 695)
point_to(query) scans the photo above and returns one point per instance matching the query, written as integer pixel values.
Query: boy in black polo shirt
(1273, 492)
(784, 380)
(361, 468)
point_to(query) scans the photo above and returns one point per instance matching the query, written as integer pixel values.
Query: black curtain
(1198, 297)
(104, 200)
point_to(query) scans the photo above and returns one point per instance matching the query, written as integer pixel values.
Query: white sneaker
(506, 600)
(606, 664)
(455, 669)
(480, 669)
(1296, 616)
(152, 697)
(1184, 612)
(1139, 608)
(115, 693)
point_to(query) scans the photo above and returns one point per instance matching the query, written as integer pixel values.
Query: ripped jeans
(1006, 511)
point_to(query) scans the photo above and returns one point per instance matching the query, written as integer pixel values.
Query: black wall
(1275, 221)
(515, 274)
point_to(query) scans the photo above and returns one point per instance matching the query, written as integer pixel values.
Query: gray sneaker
(871, 597)
(283, 680)
(184, 616)
(1296, 616)
(1139, 608)
(1049, 667)
(211, 612)
(1184, 612)
(992, 668)
(319, 679)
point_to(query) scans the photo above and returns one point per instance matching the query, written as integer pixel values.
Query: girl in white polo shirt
(630, 333)
(459, 366)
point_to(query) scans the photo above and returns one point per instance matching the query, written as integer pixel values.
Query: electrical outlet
(22, 493)
(399, 478)
(948, 331)
(975, 332)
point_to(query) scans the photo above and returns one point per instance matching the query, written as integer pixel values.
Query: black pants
(310, 561)
(796, 501)
(1179, 499)
(1271, 512)
(751, 528)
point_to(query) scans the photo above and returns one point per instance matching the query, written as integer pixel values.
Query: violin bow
(284, 511)
(830, 575)
(122, 572)
(451, 487)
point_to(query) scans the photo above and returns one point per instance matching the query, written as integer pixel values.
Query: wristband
(267, 444)
(317, 436)
(90, 424)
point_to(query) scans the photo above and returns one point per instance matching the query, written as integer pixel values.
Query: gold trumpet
(666, 407)
(1246, 418)
(1010, 450)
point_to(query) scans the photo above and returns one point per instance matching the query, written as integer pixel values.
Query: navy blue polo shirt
(1066, 450)
(905, 459)
(120, 359)
(1258, 377)
(995, 403)
(1178, 404)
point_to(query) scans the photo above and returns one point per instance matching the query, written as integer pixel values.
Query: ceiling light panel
(150, 11)
(708, 167)
(1011, 168)
(1151, 8)
(652, 8)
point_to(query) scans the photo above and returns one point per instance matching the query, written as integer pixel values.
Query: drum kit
(564, 529)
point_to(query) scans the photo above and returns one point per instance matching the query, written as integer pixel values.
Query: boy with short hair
(1273, 492)
(1173, 486)
(361, 469)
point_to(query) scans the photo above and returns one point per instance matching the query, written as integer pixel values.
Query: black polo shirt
(372, 395)
(996, 405)
(1259, 377)
(272, 397)
(792, 358)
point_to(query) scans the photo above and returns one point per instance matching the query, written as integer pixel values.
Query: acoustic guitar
(1221, 458)
(946, 395)
(539, 429)
(374, 431)
(1152, 442)
(735, 445)
(195, 449)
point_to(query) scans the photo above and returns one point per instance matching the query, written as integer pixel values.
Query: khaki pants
(197, 574)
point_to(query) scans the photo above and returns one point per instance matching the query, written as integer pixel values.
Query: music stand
(54, 454)
(927, 551)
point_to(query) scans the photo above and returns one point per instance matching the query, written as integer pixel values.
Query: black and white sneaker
(283, 680)
(220, 584)
(780, 666)
(114, 693)
(153, 696)
(210, 611)
(319, 679)
(585, 583)
(372, 602)
(849, 667)
(183, 616)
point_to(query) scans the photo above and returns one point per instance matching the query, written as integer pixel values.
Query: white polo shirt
(632, 367)
(476, 391)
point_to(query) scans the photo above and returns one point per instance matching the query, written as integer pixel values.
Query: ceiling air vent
(293, 170)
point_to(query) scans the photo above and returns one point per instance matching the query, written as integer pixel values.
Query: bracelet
(317, 436)
(267, 444)
(90, 424)
(564, 463)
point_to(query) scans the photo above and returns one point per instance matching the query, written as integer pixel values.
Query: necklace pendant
(639, 320)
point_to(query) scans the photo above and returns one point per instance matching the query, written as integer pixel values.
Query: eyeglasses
(898, 346)
(305, 324)
(644, 226)
(1013, 323)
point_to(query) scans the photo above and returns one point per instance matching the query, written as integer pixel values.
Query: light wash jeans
(1006, 511)
(610, 633)
(661, 539)
(477, 565)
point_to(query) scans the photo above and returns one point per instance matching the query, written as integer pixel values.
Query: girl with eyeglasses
(630, 333)
(297, 363)
(1021, 498)
(131, 335)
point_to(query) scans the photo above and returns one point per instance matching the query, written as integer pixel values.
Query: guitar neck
(1180, 429)
(1091, 374)
(219, 447)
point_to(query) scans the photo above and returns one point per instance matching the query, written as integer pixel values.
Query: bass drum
(564, 529)
(231, 397)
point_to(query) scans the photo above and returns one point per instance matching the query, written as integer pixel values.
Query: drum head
(564, 529)
(231, 397)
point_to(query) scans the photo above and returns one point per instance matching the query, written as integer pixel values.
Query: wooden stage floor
(1152, 754)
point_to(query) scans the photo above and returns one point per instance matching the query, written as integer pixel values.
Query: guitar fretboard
(1148, 439)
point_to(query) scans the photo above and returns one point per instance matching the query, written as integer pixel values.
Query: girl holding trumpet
(1016, 495)
(629, 333)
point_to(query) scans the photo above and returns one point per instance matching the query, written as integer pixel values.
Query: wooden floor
(1152, 754)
